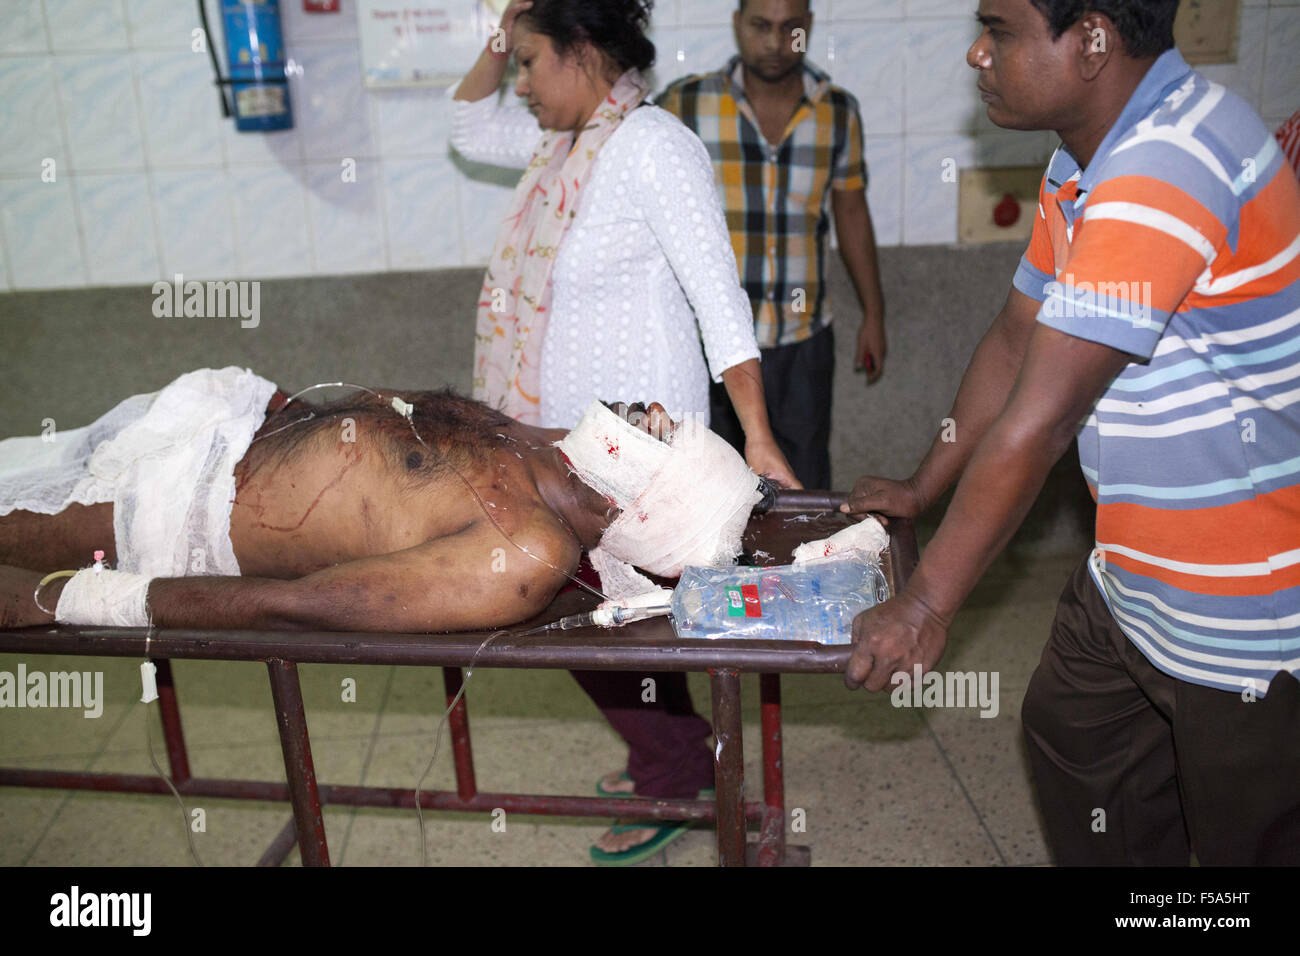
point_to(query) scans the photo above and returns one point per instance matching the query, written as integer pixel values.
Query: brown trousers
(1135, 767)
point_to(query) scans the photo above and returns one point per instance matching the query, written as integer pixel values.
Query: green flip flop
(666, 832)
(600, 789)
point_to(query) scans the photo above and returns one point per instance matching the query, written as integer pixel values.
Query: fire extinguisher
(258, 83)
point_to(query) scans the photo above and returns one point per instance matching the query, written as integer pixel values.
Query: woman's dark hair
(616, 27)
(1145, 26)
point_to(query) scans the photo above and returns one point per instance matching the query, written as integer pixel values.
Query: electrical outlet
(996, 204)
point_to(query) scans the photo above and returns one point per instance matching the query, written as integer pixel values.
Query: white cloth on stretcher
(167, 462)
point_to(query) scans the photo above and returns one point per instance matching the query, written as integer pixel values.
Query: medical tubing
(605, 617)
(185, 814)
(472, 490)
(437, 739)
(52, 576)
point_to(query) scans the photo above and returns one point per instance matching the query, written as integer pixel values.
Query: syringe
(612, 616)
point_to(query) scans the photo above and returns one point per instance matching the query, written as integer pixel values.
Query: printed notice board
(423, 42)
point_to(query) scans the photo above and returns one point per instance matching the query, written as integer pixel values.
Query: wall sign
(423, 42)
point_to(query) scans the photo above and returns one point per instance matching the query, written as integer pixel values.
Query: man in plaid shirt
(783, 140)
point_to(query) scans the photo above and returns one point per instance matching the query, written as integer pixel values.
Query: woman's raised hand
(488, 70)
(507, 27)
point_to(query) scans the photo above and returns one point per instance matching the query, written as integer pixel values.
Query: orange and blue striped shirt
(1180, 244)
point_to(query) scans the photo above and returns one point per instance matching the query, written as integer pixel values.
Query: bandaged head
(683, 501)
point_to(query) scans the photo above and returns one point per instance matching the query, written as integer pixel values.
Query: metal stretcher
(643, 646)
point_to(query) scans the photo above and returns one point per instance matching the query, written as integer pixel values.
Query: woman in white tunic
(611, 267)
(616, 244)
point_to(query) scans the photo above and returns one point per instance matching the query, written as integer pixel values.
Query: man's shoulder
(1204, 142)
(838, 96)
(693, 85)
(514, 516)
(1200, 130)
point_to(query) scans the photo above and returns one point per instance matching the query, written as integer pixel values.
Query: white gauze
(104, 598)
(868, 536)
(167, 462)
(685, 501)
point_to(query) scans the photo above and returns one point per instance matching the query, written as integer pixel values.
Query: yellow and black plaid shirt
(776, 197)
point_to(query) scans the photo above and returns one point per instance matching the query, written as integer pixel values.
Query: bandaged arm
(467, 581)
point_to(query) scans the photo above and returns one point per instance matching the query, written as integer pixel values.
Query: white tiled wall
(151, 180)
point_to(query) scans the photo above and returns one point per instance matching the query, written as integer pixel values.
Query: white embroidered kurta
(647, 255)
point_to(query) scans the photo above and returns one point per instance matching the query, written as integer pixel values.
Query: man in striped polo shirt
(1158, 307)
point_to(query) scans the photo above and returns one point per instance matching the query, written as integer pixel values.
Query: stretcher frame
(647, 646)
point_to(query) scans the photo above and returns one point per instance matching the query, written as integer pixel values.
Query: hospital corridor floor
(877, 784)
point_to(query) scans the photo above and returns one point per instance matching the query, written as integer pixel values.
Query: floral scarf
(514, 305)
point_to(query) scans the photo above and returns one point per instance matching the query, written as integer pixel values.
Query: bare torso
(334, 501)
(329, 502)
(375, 528)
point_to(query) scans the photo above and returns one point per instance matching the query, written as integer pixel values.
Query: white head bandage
(683, 502)
(104, 598)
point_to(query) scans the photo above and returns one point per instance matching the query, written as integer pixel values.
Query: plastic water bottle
(815, 601)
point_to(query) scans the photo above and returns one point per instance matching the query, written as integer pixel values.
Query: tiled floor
(876, 784)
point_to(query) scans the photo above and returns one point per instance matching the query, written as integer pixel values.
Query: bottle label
(743, 601)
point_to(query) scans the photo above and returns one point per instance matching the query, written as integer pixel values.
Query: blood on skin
(354, 459)
(245, 474)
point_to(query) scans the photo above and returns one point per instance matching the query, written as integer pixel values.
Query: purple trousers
(668, 751)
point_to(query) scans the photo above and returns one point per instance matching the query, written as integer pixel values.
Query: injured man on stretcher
(220, 502)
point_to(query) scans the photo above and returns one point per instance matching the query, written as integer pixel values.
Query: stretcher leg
(458, 726)
(279, 849)
(729, 766)
(291, 718)
(177, 757)
(771, 841)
